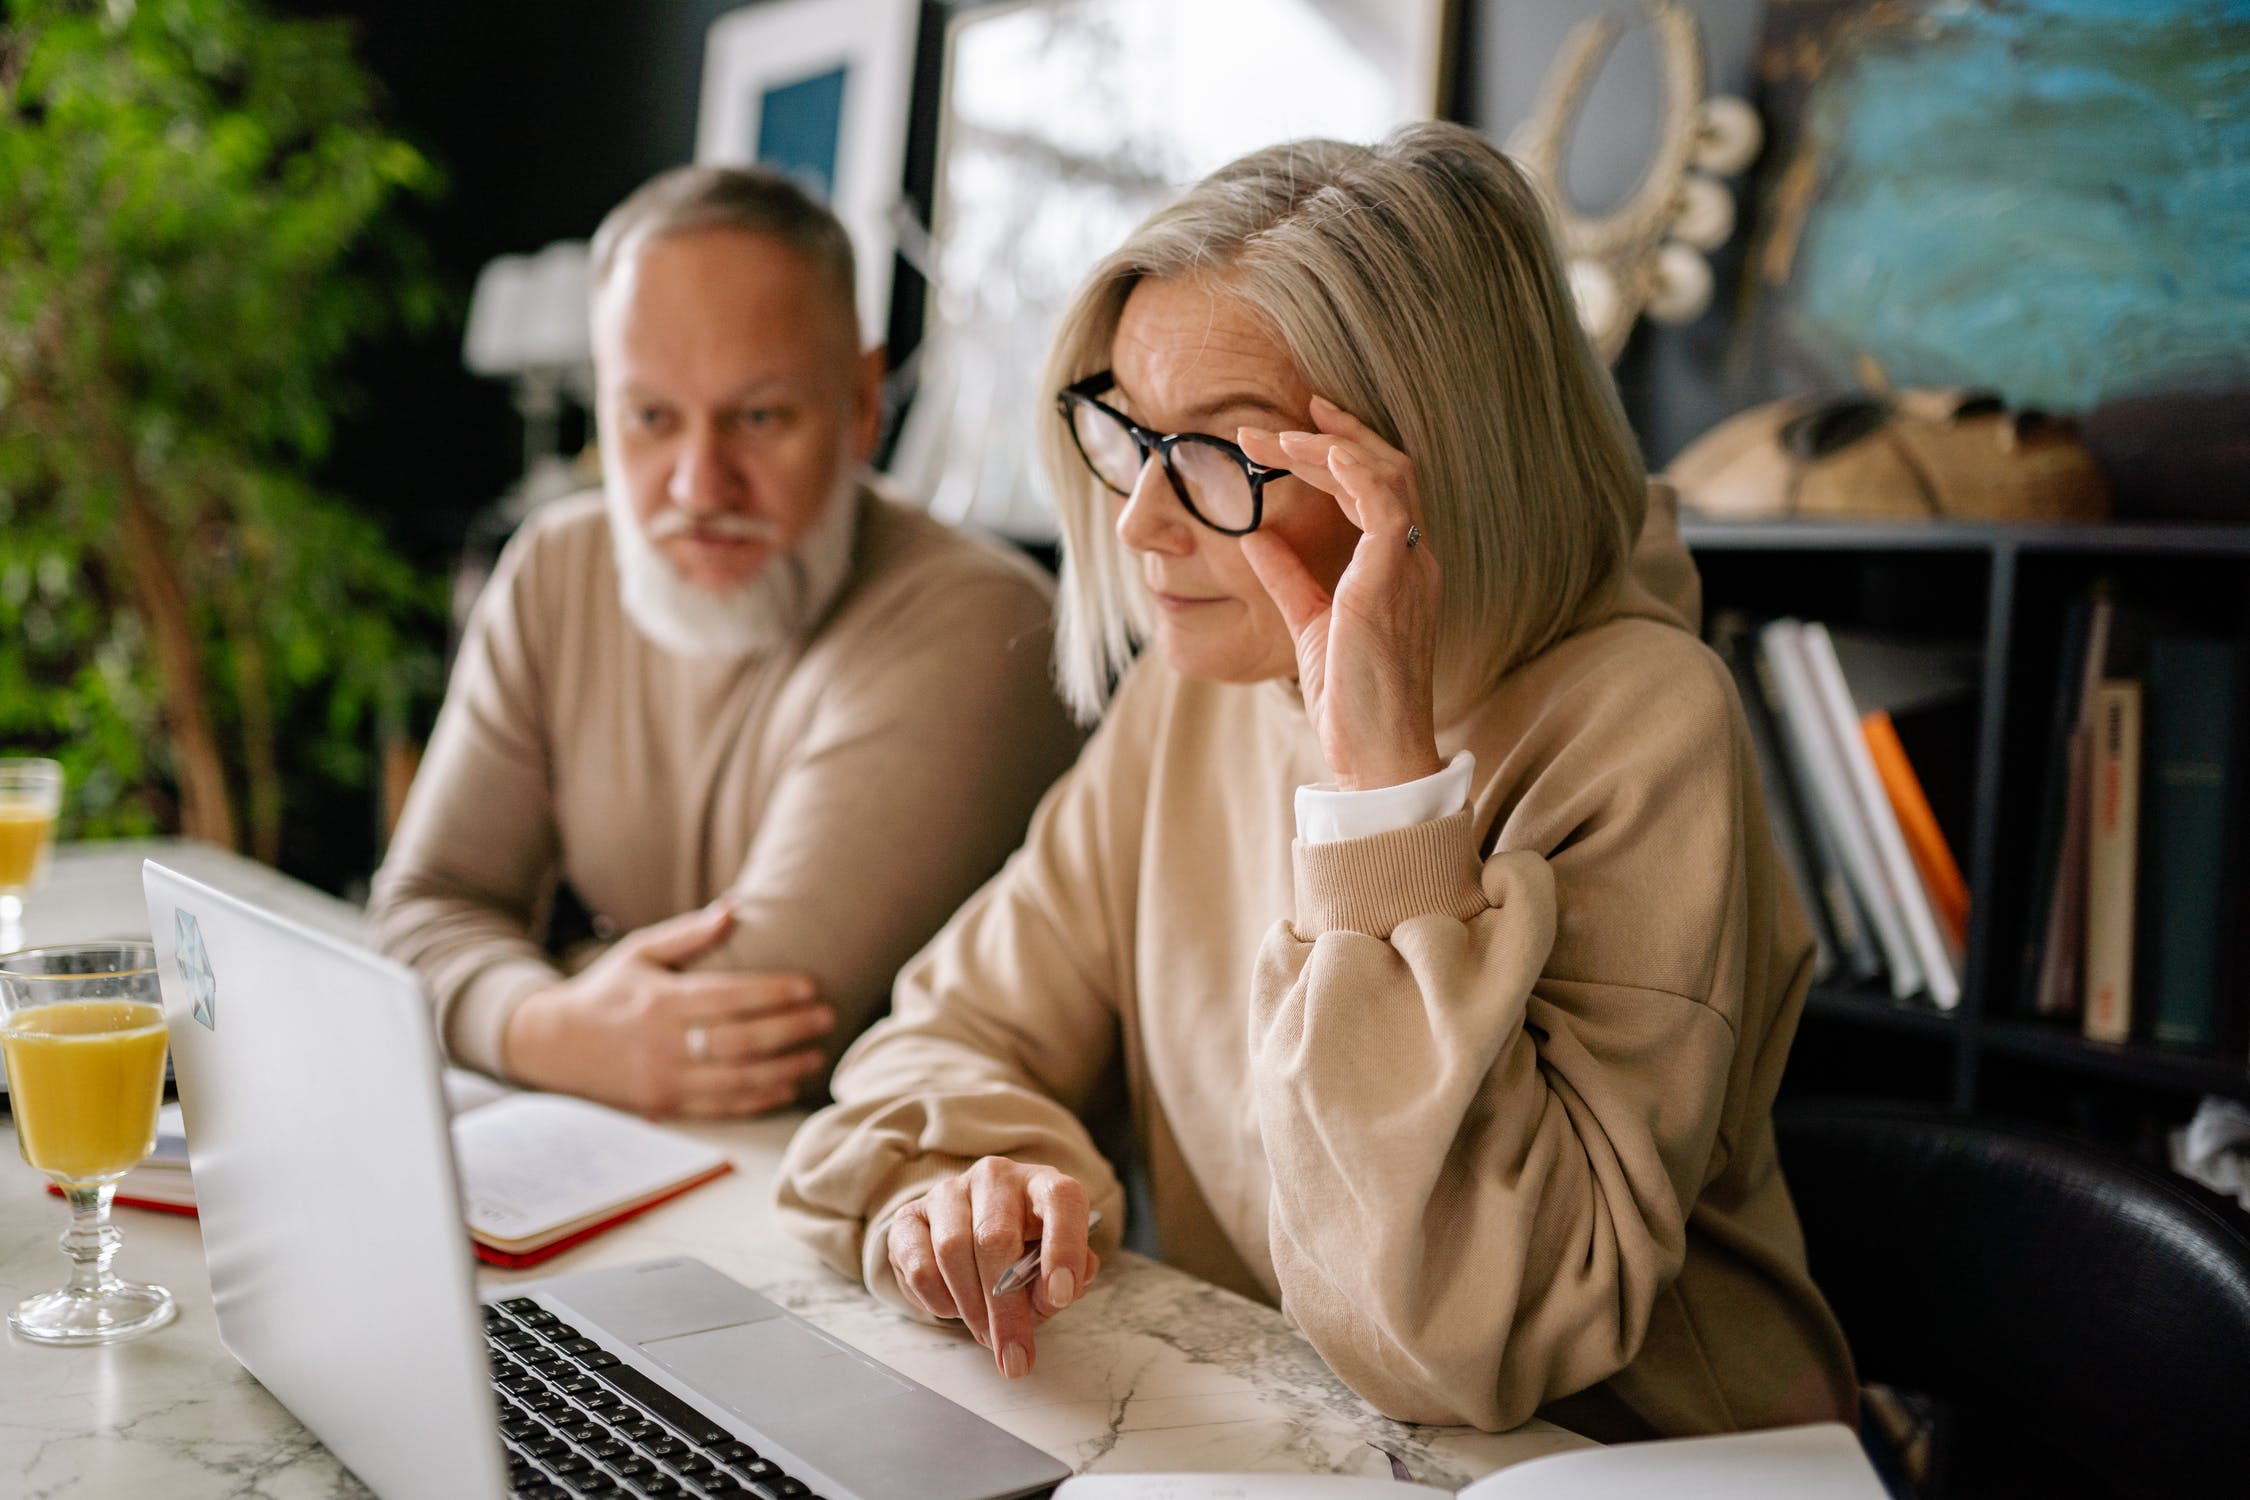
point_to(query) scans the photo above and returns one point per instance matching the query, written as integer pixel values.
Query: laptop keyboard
(576, 1421)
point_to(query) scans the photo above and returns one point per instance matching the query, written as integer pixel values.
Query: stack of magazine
(1866, 748)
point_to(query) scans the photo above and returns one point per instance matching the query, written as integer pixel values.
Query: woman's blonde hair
(1415, 284)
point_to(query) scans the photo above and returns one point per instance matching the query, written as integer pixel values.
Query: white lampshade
(529, 313)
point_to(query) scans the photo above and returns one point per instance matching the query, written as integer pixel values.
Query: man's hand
(634, 1032)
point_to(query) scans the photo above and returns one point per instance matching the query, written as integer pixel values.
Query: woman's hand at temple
(1366, 649)
(948, 1247)
(632, 1031)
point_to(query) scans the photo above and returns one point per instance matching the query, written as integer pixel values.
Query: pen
(1018, 1276)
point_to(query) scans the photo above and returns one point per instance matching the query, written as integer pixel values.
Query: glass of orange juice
(82, 1030)
(30, 800)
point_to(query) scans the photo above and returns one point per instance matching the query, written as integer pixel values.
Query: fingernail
(1341, 458)
(802, 989)
(1252, 435)
(1012, 1362)
(1062, 1288)
(1298, 438)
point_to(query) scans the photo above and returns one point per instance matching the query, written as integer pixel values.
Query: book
(1785, 817)
(2054, 798)
(2195, 752)
(2112, 855)
(539, 1172)
(161, 1180)
(2062, 973)
(1822, 1461)
(1940, 962)
(1812, 741)
(1925, 841)
(1856, 947)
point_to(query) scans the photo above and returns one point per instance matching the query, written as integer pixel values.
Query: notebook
(1818, 1462)
(540, 1173)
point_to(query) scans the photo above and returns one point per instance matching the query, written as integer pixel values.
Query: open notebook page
(1821, 1462)
(532, 1164)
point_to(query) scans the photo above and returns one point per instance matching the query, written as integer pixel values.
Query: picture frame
(820, 90)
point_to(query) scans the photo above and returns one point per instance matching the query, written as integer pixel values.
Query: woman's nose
(1152, 519)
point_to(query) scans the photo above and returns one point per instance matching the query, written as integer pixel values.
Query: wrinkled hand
(950, 1245)
(618, 1031)
(1366, 653)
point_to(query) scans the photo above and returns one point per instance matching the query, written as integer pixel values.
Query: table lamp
(529, 324)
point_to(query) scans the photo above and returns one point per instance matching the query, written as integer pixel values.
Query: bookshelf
(2003, 589)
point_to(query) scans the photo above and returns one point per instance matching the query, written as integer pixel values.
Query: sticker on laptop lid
(195, 969)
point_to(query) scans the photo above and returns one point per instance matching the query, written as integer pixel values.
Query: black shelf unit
(2005, 590)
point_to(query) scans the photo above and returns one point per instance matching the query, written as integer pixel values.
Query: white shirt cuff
(1326, 814)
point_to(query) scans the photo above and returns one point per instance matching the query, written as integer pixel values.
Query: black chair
(2082, 1322)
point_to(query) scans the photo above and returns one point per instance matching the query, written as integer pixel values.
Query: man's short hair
(756, 199)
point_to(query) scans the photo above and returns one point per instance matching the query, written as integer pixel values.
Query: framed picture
(1059, 125)
(819, 89)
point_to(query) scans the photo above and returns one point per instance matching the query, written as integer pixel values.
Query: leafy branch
(193, 232)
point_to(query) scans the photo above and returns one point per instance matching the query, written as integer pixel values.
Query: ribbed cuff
(1372, 884)
(906, 1185)
(471, 1027)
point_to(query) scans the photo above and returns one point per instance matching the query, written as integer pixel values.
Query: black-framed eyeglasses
(1214, 479)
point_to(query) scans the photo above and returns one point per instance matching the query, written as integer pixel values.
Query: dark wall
(542, 115)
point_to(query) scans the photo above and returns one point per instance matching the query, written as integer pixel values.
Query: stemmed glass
(30, 801)
(82, 1029)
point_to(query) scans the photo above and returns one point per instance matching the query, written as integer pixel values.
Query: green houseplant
(194, 229)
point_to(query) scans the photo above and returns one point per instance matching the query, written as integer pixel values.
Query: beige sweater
(850, 794)
(1482, 1104)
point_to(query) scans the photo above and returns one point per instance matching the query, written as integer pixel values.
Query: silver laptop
(341, 1273)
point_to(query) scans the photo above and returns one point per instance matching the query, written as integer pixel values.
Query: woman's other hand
(1366, 650)
(948, 1247)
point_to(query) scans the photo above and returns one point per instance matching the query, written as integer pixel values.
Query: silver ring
(1413, 535)
(698, 1044)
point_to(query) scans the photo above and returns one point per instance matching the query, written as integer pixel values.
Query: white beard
(775, 608)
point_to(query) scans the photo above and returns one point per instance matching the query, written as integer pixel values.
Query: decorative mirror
(1646, 255)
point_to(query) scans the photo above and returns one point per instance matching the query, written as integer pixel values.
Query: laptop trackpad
(767, 1371)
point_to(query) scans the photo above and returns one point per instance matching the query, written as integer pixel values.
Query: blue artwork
(797, 128)
(2050, 198)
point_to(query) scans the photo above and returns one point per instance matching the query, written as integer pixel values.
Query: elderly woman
(1433, 937)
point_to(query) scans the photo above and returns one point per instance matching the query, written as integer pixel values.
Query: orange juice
(26, 829)
(84, 1081)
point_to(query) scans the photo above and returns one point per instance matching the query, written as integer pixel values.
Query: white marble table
(1151, 1370)
(93, 891)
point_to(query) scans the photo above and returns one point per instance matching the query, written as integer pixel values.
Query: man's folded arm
(458, 895)
(913, 785)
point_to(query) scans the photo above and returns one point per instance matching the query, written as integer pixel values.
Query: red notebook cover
(514, 1260)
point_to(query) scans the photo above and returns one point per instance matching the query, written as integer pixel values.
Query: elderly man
(768, 727)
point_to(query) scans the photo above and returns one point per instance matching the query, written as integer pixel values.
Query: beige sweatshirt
(1481, 1104)
(849, 793)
